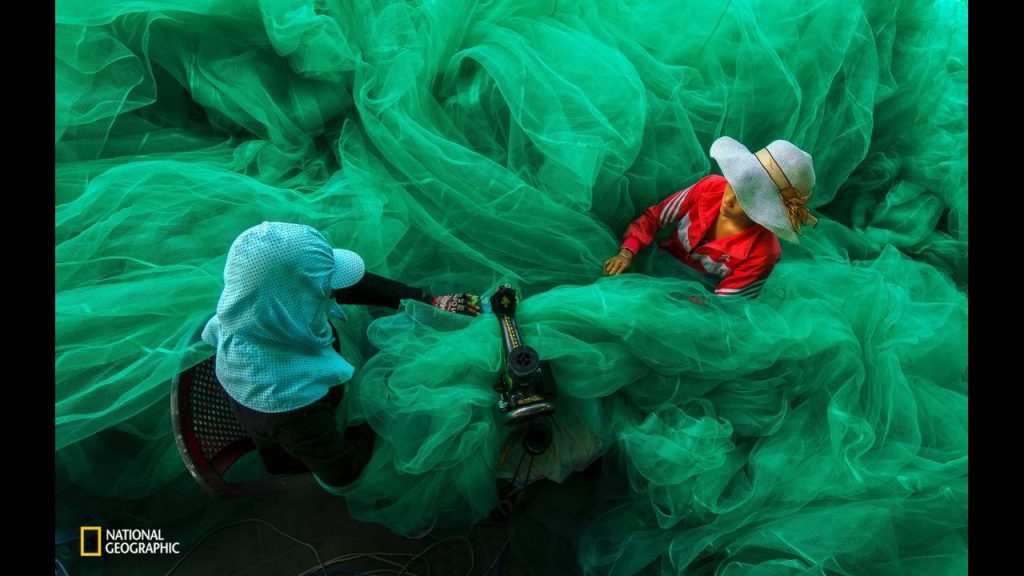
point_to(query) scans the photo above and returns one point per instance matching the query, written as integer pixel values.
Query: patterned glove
(464, 303)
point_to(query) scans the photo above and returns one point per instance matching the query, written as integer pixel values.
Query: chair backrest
(209, 437)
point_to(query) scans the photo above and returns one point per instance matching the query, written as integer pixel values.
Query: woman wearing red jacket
(727, 227)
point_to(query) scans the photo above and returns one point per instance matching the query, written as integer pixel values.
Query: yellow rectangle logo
(99, 538)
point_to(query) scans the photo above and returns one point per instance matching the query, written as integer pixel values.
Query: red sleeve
(747, 279)
(669, 211)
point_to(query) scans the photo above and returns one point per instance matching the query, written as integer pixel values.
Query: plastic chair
(210, 440)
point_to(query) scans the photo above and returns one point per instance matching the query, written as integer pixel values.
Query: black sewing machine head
(526, 387)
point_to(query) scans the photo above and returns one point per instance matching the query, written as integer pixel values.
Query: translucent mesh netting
(821, 428)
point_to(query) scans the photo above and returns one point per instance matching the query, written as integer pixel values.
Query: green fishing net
(820, 429)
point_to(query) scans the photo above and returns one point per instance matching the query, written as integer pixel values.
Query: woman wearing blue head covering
(275, 357)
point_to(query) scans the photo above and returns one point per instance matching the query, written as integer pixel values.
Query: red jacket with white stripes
(741, 262)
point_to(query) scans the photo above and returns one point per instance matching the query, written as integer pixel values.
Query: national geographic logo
(95, 541)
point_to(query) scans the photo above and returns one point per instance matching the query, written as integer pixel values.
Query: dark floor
(539, 539)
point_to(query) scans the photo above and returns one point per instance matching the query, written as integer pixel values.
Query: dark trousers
(305, 439)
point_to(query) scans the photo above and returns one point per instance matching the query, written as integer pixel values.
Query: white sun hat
(772, 185)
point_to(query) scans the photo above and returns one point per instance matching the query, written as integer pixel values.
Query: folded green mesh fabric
(821, 428)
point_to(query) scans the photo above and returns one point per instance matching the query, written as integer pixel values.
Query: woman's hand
(619, 263)
(465, 303)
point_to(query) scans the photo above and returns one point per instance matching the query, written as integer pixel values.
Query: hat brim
(754, 188)
(349, 268)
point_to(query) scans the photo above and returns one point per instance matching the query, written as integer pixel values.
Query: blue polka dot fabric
(271, 329)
